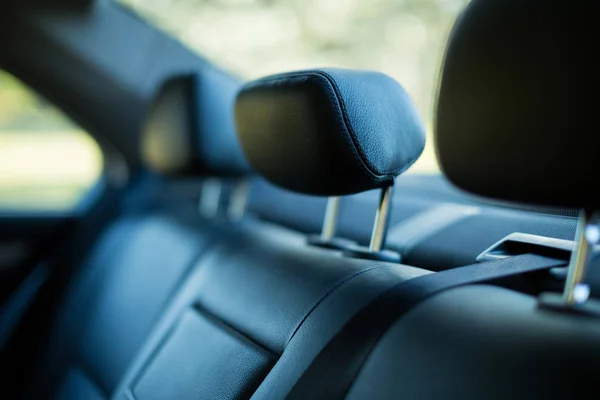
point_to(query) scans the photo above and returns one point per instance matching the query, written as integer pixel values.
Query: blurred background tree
(252, 38)
(46, 162)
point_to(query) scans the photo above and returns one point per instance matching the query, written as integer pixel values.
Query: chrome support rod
(381, 220)
(210, 197)
(331, 218)
(587, 235)
(238, 200)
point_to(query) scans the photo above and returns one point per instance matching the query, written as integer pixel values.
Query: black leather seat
(135, 269)
(171, 305)
(253, 314)
(142, 259)
(259, 306)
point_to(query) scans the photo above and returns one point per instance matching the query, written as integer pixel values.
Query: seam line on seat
(232, 331)
(81, 363)
(129, 394)
(325, 296)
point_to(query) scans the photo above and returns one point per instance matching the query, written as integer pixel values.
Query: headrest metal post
(210, 197)
(376, 250)
(327, 238)
(238, 200)
(382, 217)
(332, 213)
(586, 237)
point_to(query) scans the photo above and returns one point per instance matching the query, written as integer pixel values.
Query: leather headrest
(515, 119)
(329, 132)
(189, 128)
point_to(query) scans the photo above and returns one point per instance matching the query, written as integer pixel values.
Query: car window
(47, 163)
(403, 38)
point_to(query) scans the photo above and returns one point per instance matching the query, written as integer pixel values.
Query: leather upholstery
(197, 357)
(513, 118)
(329, 131)
(325, 321)
(483, 342)
(165, 140)
(189, 127)
(77, 385)
(128, 280)
(270, 273)
(267, 294)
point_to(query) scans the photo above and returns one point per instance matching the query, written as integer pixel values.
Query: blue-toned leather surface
(329, 131)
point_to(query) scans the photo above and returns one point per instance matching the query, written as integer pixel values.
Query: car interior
(266, 238)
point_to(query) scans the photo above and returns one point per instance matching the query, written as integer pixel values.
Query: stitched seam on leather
(389, 174)
(356, 143)
(339, 115)
(278, 77)
(357, 151)
(340, 118)
(129, 394)
(334, 97)
(409, 163)
(232, 331)
(151, 355)
(325, 296)
(94, 378)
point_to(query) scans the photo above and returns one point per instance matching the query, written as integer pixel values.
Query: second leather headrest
(516, 113)
(189, 129)
(329, 132)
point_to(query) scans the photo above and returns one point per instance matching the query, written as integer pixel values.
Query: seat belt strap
(337, 365)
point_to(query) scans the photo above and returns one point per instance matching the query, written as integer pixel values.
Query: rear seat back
(259, 305)
(482, 341)
(130, 277)
(142, 259)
